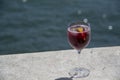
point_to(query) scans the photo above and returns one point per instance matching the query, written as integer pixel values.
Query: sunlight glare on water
(110, 27)
(85, 20)
(104, 16)
(79, 12)
(24, 1)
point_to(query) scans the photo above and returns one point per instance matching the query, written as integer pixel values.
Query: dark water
(40, 25)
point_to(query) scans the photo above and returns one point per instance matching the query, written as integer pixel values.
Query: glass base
(79, 73)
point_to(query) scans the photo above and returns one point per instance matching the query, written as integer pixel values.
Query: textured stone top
(103, 63)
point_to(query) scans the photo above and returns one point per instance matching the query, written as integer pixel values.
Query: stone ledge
(104, 64)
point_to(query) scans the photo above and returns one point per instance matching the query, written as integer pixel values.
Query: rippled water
(40, 25)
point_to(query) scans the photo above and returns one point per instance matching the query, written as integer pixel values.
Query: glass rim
(79, 23)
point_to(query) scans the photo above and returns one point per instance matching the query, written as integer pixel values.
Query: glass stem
(79, 51)
(78, 58)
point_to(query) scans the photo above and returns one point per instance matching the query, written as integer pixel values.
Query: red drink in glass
(78, 36)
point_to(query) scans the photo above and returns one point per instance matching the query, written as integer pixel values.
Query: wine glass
(79, 34)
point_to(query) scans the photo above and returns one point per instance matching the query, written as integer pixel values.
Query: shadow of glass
(64, 78)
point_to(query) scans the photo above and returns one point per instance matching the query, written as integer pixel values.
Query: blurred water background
(40, 25)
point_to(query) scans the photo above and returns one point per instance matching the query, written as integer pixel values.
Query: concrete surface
(104, 64)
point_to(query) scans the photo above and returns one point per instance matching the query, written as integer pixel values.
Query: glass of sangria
(79, 35)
